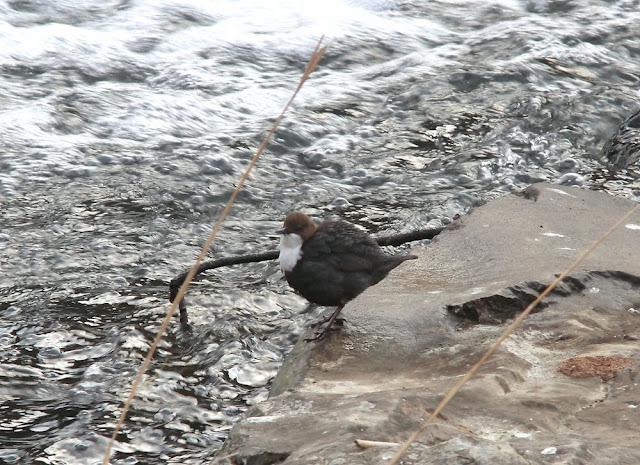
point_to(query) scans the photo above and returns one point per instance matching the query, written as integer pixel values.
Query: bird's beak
(281, 231)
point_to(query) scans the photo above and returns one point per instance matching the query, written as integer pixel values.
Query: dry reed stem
(505, 334)
(317, 54)
(367, 443)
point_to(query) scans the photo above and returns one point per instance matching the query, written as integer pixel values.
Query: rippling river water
(125, 124)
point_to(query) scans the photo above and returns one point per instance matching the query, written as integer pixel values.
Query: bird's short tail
(390, 264)
(397, 259)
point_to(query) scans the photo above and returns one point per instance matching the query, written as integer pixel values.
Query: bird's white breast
(290, 251)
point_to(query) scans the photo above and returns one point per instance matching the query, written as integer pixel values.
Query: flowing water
(125, 124)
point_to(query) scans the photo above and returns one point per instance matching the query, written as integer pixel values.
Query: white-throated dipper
(332, 262)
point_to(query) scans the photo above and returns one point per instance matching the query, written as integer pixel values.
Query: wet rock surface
(562, 389)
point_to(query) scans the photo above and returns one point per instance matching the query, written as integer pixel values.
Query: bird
(331, 263)
(623, 148)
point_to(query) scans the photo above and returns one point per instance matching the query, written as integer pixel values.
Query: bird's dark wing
(343, 245)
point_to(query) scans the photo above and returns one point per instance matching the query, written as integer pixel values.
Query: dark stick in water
(389, 240)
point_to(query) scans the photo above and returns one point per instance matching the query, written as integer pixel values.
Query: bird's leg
(338, 321)
(321, 321)
(323, 333)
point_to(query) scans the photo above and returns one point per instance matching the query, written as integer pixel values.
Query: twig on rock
(366, 444)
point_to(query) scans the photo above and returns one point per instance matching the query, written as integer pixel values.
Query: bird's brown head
(299, 223)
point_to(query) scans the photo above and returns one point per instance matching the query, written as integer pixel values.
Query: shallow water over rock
(124, 126)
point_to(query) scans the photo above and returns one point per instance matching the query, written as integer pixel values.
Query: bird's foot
(332, 319)
(318, 335)
(338, 321)
(322, 333)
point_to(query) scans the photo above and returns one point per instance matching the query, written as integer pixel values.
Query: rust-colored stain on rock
(604, 366)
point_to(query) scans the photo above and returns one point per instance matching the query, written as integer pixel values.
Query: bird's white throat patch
(290, 251)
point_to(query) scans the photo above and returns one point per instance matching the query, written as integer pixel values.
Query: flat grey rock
(563, 389)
